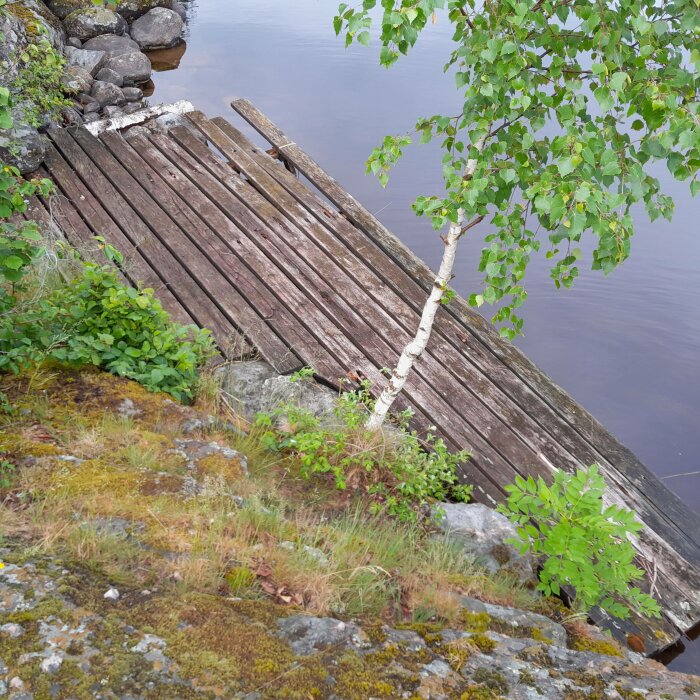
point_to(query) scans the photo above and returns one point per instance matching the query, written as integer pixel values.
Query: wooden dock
(231, 240)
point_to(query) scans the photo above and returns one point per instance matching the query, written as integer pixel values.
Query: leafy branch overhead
(575, 101)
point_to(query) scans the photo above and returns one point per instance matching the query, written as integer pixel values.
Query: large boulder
(484, 535)
(131, 9)
(159, 28)
(62, 8)
(111, 44)
(134, 68)
(86, 24)
(91, 61)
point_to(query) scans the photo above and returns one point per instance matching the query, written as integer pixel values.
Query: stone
(131, 9)
(12, 630)
(317, 555)
(92, 117)
(74, 42)
(89, 23)
(163, 123)
(483, 533)
(132, 107)
(85, 99)
(107, 94)
(62, 8)
(181, 10)
(89, 60)
(112, 112)
(111, 44)
(159, 28)
(111, 594)
(76, 79)
(91, 108)
(23, 147)
(254, 386)
(52, 663)
(109, 76)
(308, 635)
(16, 683)
(71, 116)
(133, 67)
(133, 94)
(195, 450)
(521, 623)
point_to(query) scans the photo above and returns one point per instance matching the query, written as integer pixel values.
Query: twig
(673, 476)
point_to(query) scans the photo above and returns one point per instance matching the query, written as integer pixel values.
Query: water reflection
(167, 59)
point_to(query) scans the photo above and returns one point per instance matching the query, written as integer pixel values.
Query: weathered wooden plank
(241, 162)
(625, 462)
(136, 267)
(492, 369)
(332, 311)
(122, 198)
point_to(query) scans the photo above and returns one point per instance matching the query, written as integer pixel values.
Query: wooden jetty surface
(231, 240)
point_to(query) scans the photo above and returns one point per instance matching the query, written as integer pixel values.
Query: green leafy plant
(7, 472)
(95, 320)
(399, 471)
(38, 87)
(582, 543)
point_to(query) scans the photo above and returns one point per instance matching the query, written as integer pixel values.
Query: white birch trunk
(415, 348)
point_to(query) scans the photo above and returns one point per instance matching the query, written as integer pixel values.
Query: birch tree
(562, 109)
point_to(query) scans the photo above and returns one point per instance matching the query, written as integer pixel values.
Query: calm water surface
(626, 347)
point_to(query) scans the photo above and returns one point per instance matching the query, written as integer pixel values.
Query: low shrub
(399, 471)
(581, 543)
(95, 320)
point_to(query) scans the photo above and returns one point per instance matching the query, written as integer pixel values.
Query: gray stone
(89, 23)
(23, 147)
(308, 635)
(317, 555)
(133, 67)
(52, 663)
(62, 8)
(112, 112)
(71, 116)
(132, 94)
(520, 623)
(92, 117)
(111, 44)
(483, 533)
(91, 108)
(165, 122)
(159, 28)
(195, 450)
(91, 61)
(132, 107)
(131, 9)
(180, 9)
(109, 76)
(76, 79)
(12, 630)
(255, 387)
(84, 98)
(107, 94)
(74, 42)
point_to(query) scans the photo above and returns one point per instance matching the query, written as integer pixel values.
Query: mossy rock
(131, 9)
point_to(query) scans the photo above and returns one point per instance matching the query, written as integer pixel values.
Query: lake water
(626, 347)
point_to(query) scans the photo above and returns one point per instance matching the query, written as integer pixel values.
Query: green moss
(627, 694)
(239, 579)
(492, 679)
(475, 622)
(539, 636)
(596, 646)
(480, 692)
(484, 643)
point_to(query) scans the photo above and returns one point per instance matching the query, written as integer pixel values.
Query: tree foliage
(576, 99)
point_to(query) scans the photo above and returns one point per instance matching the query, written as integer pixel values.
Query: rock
(92, 117)
(159, 28)
(12, 630)
(52, 663)
(89, 23)
(107, 94)
(317, 555)
(74, 42)
(23, 147)
(131, 9)
(89, 60)
(132, 107)
(133, 94)
(194, 451)
(108, 75)
(483, 533)
(16, 683)
(111, 594)
(91, 108)
(520, 623)
(254, 386)
(180, 9)
(112, 112)
(76, 79)
(165, 122)
(71, 116)
(133, 67)
(112, 45)
(308, 635)
(85, 99)
(62, 8)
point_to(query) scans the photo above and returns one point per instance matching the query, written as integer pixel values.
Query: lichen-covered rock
(159, 28)
(23, 147)
(62, 8)
(134, 94)
(309, 635)
(131, 9)
(134, 67)
(108, 75)
(91, 61)
(107, 94)
(87, 24)
(484, 535)
(111, 44)
(77, 79)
